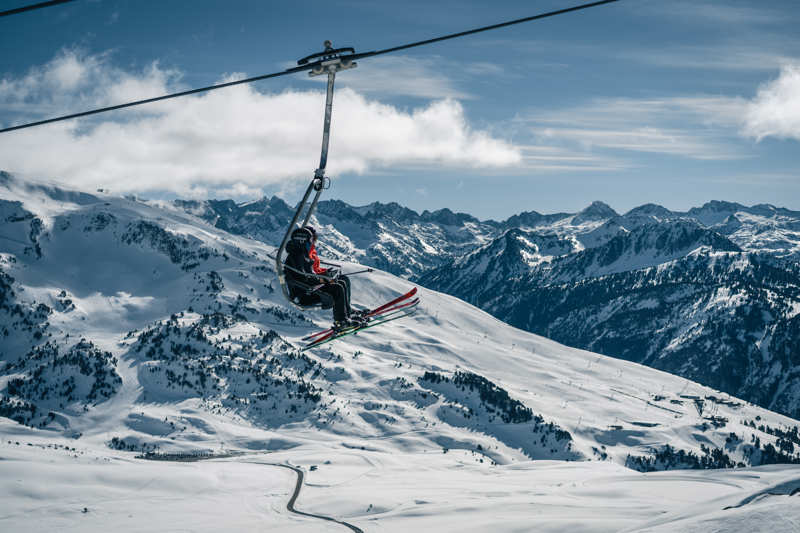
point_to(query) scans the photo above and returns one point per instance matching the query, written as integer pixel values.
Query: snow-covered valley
(130, 328)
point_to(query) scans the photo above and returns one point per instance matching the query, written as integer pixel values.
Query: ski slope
(449, 420)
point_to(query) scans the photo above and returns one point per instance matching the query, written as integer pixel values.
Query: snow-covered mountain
(673, 294)
(652, 286)
(386, 236)
(408, 244)
(127, 327)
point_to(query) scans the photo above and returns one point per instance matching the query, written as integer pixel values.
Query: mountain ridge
(133, 331)
(185, 318)
(491, 263)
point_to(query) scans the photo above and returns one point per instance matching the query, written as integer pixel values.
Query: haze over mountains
(711, 294)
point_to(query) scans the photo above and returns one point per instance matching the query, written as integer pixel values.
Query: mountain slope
(198, 350)
(170, 311)
(583, 279)
(385, 236)
(669, 293)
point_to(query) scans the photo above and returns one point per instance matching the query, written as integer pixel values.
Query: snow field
(393, 452)
(48, 490)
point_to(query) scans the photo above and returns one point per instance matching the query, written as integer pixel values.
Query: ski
(388, 317)
(368, 317)
(397, 300)
(372, 313)
(397, 307)
(330, 335)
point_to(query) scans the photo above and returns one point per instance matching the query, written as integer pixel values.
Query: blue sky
(669, 102)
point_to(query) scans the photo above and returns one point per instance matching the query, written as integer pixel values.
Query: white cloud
(235, 140)
(734, 36)
(754, 51)
(547, 158)
(68, 72)
(699, 127)
(775, 110)
(714, 12)
(73, 80)
(402, 76)
(728, 57)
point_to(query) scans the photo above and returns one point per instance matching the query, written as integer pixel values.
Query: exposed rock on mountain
(595, 279)
(139, 328)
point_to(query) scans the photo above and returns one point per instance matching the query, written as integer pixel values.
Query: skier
(311, 284)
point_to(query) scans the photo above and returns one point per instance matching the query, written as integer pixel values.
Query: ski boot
(348, 323)
(359, 314)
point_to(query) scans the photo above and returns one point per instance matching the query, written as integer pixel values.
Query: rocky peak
(719, 206)
(596, 211)
(447, 217)
(526, 218)
(653, 210)
(224, 207)
(676, 237)
(393, 210)
(339, 210)
(714, 212)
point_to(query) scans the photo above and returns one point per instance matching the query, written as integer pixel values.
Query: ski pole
(359, 272)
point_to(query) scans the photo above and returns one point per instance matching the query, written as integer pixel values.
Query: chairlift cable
(157, 99)
(478, 30)
(31, 7)
(306, 65)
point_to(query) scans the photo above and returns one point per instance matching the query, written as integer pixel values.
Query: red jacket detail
(312, 254)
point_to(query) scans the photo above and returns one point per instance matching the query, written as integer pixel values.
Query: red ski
(397, 300)
(388, 306)
(406, 305)
(408, 309)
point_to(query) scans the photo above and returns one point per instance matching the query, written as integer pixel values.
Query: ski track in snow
(293, 499)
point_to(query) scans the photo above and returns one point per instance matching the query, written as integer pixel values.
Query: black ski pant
(339, 290)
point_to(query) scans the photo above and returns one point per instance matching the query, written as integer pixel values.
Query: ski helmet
(303, 234)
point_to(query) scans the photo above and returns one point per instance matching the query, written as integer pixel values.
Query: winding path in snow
(293, 499)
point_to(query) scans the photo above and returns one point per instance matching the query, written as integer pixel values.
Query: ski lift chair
(302, 294)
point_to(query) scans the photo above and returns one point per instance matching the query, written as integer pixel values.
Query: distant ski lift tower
(333, 60)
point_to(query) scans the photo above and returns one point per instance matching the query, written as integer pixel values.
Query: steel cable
(31, 7)
(305, 67)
